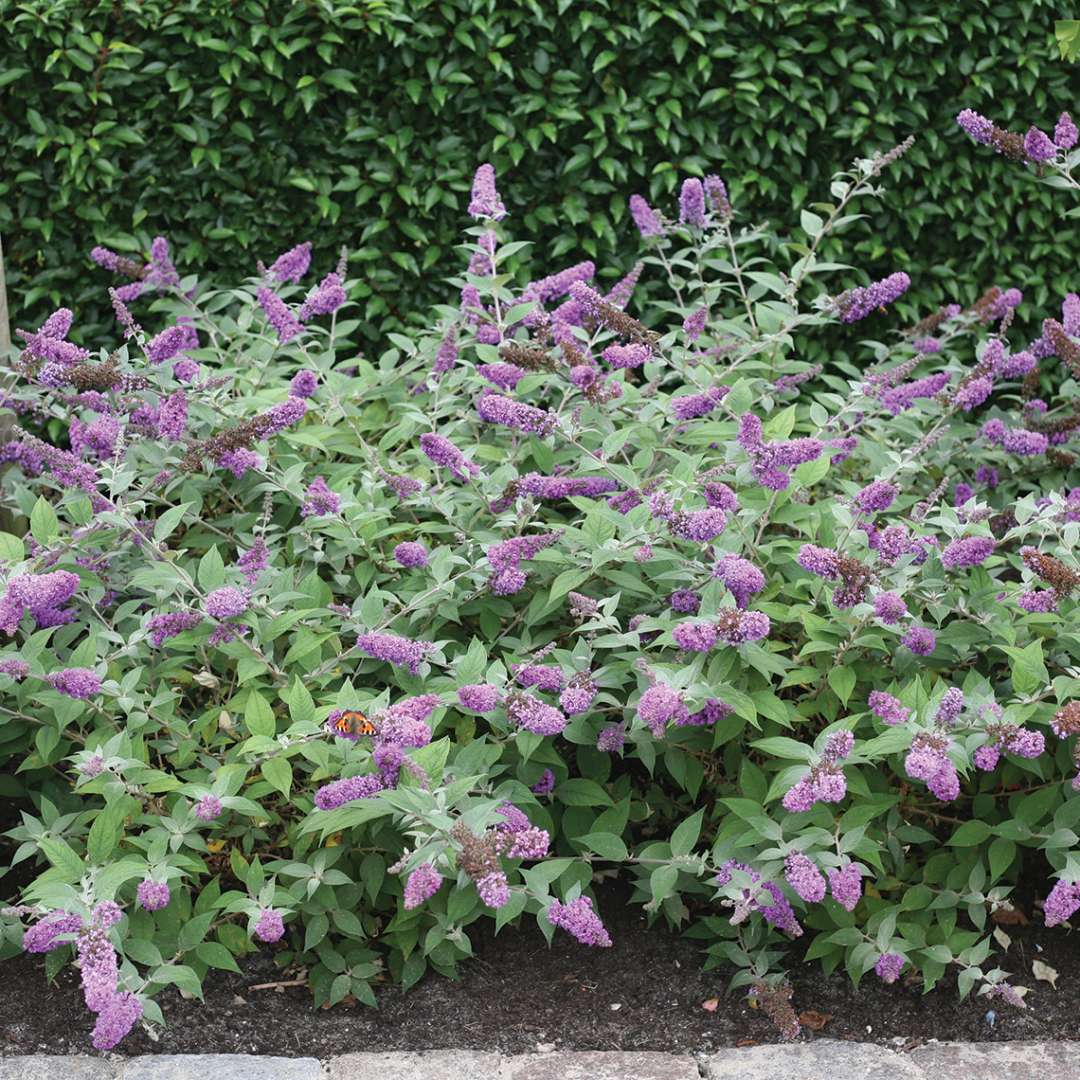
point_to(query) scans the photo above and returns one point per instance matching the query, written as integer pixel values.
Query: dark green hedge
(239, 128)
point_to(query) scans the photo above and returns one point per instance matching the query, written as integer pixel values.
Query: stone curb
(822, 1059)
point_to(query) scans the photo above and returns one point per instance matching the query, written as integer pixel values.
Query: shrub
(347, 654)
(227, 124)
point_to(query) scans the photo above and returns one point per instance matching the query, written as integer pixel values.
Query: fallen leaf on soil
(815, 1021)
(1007, 915)
(1044, 972)
(711, 1004)
(1002, 938)
(747, 1042)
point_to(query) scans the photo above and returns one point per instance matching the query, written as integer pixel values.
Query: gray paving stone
(217, 1067)
(601, 1065)
(429, 1065)
(823, 1058)
(1000, 1061)
(50, 1067)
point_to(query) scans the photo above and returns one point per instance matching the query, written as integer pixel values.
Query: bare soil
(644, 993)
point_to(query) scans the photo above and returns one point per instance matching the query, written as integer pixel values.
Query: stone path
(822, 1059)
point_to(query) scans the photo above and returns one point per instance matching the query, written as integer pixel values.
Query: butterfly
(352, 724)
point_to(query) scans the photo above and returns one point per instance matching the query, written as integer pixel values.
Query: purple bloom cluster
(889, 607)
(564, 487)
(42, 595)
(79, 683)
(533, 715)
(485, 204)
(279, 315)
(545, 677)
(804, 877)
(579, 919)
(545, 785)
(498, 409)
(889, 966)
(778, 912)
(741, 577)
(888, 708)
(1062, 903)
(692, 203)
(324, 299)
(770, 461)
(208, 808)
(479, 697)
(693, 406)
(645, 218)
(860, 302)
(967, 551)
(699, 526)
(319, 500)
(44, 935)
(898, 399)
(443, 452)
(153, 895)
(626, 356)
(422, 884)
(928, 760)
(331, 796)
(950, 707)
(503, 375)
(845, 885)
(227, 602)
(695, 636)
(694, 323)
(824, 562)
(611, 738)
(269, 926)
(14, 668)
(410, 554)
(291, 265)
(303, 384)
(507, 556)
(876, 497)
(920, 640)
(394, 650)
(658, 706)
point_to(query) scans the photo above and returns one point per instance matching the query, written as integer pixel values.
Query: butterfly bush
(620, 586)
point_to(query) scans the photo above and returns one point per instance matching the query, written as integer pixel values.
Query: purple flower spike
(580, 920)
(423, 883)
(645, 217)
(1038, 146)
(692, 203)
(485, 204)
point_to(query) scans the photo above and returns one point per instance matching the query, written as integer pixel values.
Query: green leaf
(259, 716)
(61, 855)
(168, 521)
(842, 681)
(107, 829)
(686, 835)
(12, 549)
(970, 833)
(278, 773)
(44, 524)
(582, 792)
(194, 930)
(217, 956)
(606, 845)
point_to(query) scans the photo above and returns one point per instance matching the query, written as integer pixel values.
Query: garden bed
(517, 995)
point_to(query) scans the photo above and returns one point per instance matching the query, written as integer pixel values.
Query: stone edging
(822, 1059)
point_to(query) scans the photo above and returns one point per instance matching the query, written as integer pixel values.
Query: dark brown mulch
(646, 992)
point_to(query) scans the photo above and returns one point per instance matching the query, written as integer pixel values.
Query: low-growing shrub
(348, 654)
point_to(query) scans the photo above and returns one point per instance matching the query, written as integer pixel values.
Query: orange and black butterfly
(352, 724)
